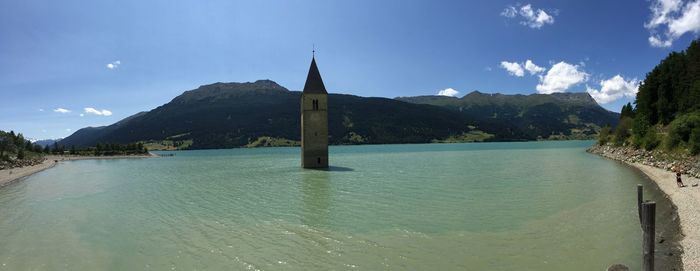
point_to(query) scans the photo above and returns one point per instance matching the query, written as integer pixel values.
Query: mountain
(46, 142)
(535, 116)
(224, 115)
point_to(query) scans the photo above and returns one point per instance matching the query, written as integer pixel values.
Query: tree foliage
(15, 146)
(604, 135)
(669, 98)
(672, 88)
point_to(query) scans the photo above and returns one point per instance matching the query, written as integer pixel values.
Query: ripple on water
(505, 206)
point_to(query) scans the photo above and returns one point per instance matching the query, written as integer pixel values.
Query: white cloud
(41, 110)
(448, 92)
(532, 68)
(61, 110)
(560, 78)
(657, 42)
(509, 12)
(613, 89)
(114, 65)
(68, 129)
(533, 18)
(518, 69)
(671, 19)
(513, 68)
(103, 112)
(82, 115)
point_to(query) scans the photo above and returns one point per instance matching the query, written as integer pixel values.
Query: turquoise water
(490, 206)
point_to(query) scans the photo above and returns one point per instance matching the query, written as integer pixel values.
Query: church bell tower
(314, 121)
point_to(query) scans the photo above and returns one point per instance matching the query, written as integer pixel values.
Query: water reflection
(316, 198)
(337, 168)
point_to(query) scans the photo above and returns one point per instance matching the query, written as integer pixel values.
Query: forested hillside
(263, 113)
(667, 108)
(534, 116)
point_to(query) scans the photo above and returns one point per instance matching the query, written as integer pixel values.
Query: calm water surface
(491, 206)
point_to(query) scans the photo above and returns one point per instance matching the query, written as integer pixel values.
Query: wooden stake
(648, 232)
(640, 199)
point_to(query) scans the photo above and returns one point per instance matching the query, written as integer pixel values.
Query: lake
(480, 206)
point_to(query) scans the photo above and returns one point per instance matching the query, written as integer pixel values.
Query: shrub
(604, 135)
(695, 141)
(650, 140)
(681, 128)
(622, 131)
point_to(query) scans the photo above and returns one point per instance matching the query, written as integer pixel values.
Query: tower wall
(314, 130)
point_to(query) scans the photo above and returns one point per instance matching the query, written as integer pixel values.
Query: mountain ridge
(224, 115)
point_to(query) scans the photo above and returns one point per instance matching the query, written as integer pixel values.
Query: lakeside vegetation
(471, 136)
(16, 151)
(268, 141)
(666, 114)
(166, 145)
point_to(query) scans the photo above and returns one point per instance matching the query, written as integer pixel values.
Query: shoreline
(12, 175)
(685, 201)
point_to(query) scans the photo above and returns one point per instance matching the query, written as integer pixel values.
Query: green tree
(627, 111)
(19, 141)
(651, 140)
(20, 154)
(695, 141)
(604, 135)
(622, 131)
(4, 144)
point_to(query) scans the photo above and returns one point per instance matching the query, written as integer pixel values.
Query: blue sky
(106, 60)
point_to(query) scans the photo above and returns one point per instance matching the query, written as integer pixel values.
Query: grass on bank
(167, 145)
(268, 141)
(471, 136)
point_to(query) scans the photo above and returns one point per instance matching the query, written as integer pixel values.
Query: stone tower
(314, 121)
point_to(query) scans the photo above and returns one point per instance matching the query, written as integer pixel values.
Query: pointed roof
(314, 83)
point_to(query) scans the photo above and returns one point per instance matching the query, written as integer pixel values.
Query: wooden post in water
(640, 199)
(648, 232)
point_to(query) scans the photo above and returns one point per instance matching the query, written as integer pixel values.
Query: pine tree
(20, 154)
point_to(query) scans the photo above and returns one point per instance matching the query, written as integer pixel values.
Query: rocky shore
(20, 163)
(687, 164)
(659, 167)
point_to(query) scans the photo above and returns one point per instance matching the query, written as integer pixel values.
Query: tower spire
(314, 83)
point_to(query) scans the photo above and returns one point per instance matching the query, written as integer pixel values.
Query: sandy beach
(8, 176)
